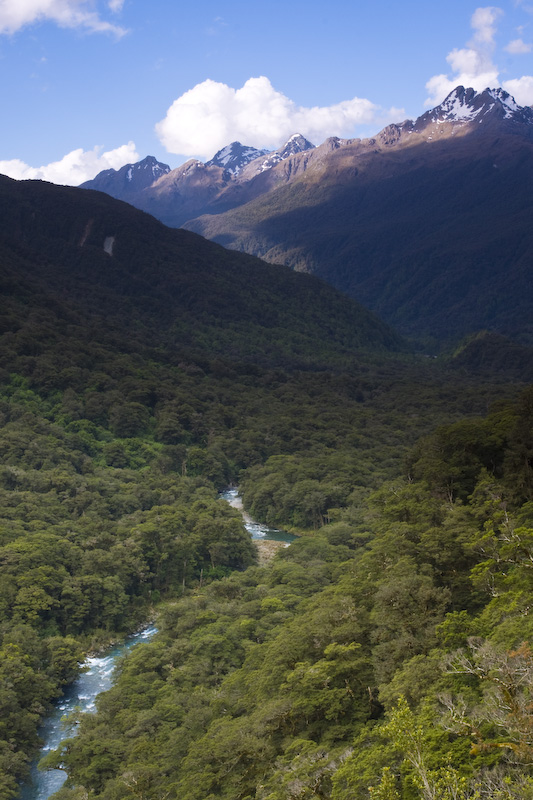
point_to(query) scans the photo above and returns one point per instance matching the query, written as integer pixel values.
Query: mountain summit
(428, 223)
(465, 106)
(130, 180)
(296, 144)
(234, 157)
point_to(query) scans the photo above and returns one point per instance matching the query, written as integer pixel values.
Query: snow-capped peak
(234, 157)
(129, 179)
(154, 167)
(457, 107)
(466, 105)
(295, 144)
(503, 97)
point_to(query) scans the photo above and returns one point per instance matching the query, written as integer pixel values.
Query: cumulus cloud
(473, 65)
(16, 14)
(74, 168)
(521, 89)
(483, 23)
(211, 115)
(518, 46)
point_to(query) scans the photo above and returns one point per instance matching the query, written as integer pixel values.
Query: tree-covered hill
(169, 287)
(143, 369)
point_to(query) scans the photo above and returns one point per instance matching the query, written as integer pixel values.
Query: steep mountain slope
(428, 223)
(141, 368)
(114, 260)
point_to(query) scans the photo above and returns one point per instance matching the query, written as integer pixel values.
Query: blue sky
(92, 84)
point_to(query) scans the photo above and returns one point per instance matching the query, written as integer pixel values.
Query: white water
(81, 695)
(257, 530)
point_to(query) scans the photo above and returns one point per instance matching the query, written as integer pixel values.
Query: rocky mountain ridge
(173, 196)
(428, 223)
(126, 182)
(238, 173)
(234, 157)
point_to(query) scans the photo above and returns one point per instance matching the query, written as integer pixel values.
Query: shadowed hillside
(142, 370)
(116, 262)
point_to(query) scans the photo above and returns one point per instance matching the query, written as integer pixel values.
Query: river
(98, 676)
(257, 530)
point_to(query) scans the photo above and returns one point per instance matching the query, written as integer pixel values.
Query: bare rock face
(130, 180)
(234, 157)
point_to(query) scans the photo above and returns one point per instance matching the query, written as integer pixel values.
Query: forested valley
(384, 654)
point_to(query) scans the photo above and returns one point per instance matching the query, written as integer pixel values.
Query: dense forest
(384, 654)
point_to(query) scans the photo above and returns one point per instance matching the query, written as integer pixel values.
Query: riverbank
(266, 550)
(96, 676)
(103, 650)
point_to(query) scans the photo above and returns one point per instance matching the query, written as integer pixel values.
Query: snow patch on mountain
(463, 106)
(296, 144)
(506, 100)
(234, 157)
(455, 109)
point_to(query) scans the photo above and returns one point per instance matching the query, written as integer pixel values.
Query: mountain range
(174, 196)
(427, 223)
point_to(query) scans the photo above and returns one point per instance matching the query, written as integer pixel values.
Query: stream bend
(98, 677)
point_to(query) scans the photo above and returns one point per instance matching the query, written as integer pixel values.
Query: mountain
(142, 370)
(463, 106)
(130, 180)
(428, 223)
(110, 259)
(296, 144)
(195, 188)
(234, 157)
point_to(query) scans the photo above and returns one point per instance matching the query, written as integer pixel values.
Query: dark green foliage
(275, 674)
(132, 389)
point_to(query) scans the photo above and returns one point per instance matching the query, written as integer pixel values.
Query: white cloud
(211, 115)
(16, 14)
(472, 66)
(483, 22)
(525, 6)
(518, 46)
(74, 168)
(521, 89)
